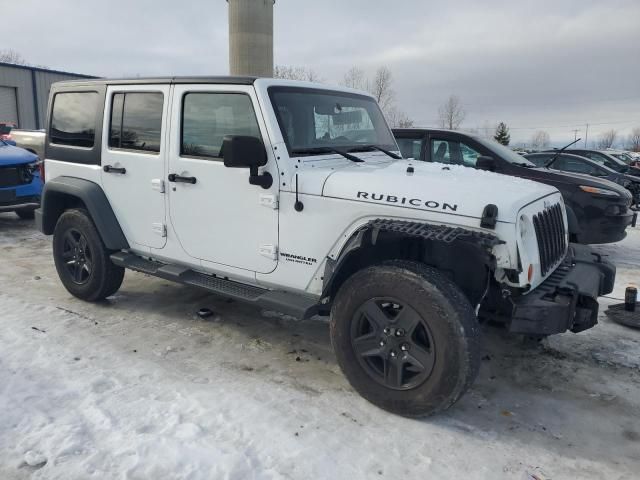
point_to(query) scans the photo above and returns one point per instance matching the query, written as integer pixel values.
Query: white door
(220, 218)
(133, 161)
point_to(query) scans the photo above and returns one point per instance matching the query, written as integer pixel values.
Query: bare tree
(607, 139)
(397, 118)
(540, 140)
(11, 56)
(382, 88)
(634, 140)
(296, 73)
(451, 113)
(8, 55)
(355, 78)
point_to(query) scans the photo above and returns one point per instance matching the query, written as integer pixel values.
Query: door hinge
(269, 201)
(159, 229)
(269, 250)
(157, 184)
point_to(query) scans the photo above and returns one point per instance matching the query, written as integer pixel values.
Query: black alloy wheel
(77, 256)
(393, 343)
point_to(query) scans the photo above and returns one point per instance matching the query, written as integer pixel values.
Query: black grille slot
(551, 236)
(12, 176)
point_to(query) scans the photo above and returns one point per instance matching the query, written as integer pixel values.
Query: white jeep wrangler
(292, 196)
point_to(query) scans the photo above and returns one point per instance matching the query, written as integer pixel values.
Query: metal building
(251, 37)
(24, 92)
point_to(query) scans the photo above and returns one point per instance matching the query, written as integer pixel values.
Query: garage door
(8, 105)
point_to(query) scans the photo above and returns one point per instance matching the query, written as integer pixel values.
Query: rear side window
(73, 119)
(136, 121)
(208, 117)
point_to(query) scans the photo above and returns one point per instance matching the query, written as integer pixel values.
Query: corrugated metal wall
(32, 91)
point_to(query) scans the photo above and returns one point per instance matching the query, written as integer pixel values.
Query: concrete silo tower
(251, 37)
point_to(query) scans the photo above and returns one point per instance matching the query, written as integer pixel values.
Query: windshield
(505, 152)
(624, 157)
(314, 121)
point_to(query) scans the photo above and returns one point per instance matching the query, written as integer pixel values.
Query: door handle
(178, 179)
(110, 169)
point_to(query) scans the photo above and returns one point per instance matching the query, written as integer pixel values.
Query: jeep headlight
(529, 244)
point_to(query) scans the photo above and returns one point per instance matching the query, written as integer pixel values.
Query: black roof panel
(221, 80)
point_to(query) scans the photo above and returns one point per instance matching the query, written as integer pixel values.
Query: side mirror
(10, 142)
(242, 151)
(484, 162)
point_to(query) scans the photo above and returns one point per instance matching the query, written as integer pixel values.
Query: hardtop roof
(218, 80)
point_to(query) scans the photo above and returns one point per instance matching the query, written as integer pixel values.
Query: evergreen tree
(502, 134)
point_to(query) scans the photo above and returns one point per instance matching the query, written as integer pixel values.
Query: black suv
(597, 209)
(607, 159)
(568, 162)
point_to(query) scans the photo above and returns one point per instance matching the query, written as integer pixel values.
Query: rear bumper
(568, 298)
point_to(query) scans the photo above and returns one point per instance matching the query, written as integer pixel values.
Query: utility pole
(575, 134)
(586, 135)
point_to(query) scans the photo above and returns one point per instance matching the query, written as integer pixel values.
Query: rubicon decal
(298, 259)
(408, 201)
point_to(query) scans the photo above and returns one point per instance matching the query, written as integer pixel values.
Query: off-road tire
(448, 317)
(26, 213)
(105, 277)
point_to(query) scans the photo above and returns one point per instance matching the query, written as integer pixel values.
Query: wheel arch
(382, 240)
(63, 193)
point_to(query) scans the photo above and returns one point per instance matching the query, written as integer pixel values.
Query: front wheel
(405, 337)
(82, 260)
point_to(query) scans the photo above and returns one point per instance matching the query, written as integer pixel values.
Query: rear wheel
(406, 337)
(26, 213)
(82, 260)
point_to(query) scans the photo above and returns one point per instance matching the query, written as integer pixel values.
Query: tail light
(41, 169)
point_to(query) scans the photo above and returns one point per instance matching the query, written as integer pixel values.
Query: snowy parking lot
(140, 387)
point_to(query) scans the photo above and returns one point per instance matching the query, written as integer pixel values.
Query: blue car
(20, 180)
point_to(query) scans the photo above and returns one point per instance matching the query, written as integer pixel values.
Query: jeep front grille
(551, 235)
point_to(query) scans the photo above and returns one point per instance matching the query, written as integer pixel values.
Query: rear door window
(73, 119)
(136, 121)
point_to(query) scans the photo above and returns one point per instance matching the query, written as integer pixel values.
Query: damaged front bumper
(568, 298)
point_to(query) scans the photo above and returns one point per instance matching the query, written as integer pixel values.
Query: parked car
(5, 131)
(31, 140)
(597, 210)
(20, 180)
(605, 158)
(289, 195)
(568, 162)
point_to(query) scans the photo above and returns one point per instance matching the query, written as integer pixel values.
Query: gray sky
(551, 64)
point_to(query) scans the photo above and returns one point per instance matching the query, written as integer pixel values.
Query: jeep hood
(10, 155)
(435, 187)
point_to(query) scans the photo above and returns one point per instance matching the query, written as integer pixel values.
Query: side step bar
(300, 306)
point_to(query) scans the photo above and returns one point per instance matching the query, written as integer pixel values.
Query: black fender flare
(54, 201)
(368, 234)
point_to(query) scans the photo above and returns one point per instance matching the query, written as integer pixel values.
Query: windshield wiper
(365, 148)
(553, 159)
(302, 151)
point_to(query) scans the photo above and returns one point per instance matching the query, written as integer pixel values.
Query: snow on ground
(139, 387)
